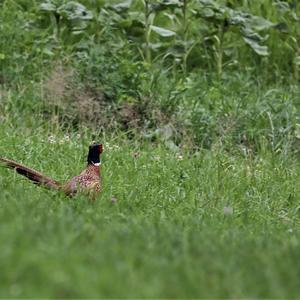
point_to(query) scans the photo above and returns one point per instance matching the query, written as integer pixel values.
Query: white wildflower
(51, 139)
(66, 137)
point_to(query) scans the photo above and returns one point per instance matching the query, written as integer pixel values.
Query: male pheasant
(89, 180)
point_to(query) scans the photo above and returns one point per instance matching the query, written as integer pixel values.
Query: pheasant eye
(101, 148)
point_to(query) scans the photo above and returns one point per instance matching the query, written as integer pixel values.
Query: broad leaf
(48, 6)
(172, 2)
(260, 50)
(122, 6)
(249, 33)
(162, 31)
(75, 11)
(259, 23)
(207, 12)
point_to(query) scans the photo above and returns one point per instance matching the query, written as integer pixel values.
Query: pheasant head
(94, 154)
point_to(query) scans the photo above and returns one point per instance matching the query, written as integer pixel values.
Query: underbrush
(197, 112)
(108, 68)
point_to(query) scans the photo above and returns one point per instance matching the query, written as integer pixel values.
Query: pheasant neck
(94, 168)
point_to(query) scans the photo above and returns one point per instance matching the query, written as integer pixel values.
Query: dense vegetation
(197, 104)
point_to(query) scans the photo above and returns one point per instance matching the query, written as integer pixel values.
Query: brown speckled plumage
(88, 181)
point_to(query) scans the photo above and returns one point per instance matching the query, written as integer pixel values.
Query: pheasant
(89, 180)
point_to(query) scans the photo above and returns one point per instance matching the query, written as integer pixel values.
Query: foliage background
(197, 103)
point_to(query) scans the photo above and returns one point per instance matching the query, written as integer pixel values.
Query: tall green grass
(205, 224)
(201, 143)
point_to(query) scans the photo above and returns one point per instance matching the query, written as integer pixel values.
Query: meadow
(201, 136)
(209, 224)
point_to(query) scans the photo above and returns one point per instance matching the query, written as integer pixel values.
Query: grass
(200, 170)
(208, 224)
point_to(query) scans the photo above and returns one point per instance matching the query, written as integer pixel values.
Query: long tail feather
(34, 176)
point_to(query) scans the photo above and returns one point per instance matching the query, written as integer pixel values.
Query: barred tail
(34, 176)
